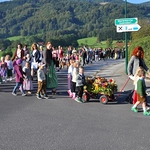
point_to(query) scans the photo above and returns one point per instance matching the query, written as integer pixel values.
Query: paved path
(60, 123)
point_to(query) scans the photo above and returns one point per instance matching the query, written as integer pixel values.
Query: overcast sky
(131, 1)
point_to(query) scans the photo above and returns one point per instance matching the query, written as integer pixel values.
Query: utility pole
(126, 42)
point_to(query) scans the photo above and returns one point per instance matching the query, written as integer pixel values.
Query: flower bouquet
(100, 85)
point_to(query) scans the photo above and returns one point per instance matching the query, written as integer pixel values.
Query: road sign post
(126, 42)
(125, 21)
(128, 28)
(126, 25)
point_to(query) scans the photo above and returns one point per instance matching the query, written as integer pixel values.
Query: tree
(144, 31)
(109, 43)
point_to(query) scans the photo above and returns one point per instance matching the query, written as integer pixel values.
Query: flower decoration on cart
(100, 85)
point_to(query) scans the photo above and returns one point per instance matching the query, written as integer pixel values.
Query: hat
(18, 61)
(41, 64)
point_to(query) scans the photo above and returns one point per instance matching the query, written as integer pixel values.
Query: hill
(56, 18)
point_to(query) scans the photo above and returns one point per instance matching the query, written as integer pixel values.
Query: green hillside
(145, 44)
(92, 42)
(56, 18)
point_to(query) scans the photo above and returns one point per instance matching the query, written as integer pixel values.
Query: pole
(126, 43)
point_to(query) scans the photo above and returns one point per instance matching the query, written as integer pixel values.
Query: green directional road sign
(125, 21)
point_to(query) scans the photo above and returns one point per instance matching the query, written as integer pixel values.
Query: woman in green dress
(51, 77)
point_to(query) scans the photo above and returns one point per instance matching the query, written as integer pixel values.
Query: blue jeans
(18, 84)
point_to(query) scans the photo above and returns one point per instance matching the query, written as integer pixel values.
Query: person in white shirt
(73, 83)
(9, 67)
(70, 71)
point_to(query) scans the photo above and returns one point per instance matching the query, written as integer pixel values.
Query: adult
(136, 61)
(96, 54)
(41, 53)
(55, 58)
(35, 58)
(19, 53)
(26, 50)
(51, 78)
(69, 52)
(60, 56)
(26, 53)
(84, 56)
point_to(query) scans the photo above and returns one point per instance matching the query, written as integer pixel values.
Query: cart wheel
(86, 97)
(103, 99)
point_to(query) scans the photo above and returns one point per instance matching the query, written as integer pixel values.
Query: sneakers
(134, 109)
(69, 92)
(45, 96)
(14, 94)
(24, 94)
(146, 113)
(78, 99)
(73, 95)
(39, 96)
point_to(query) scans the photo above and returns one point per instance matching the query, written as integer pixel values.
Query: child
(70, 71)
(141, 95)
(27, 84)
(41, 82)
(19, 77)
(9, 66)
(73, 83)
(134, 78)
(0, 76)
(3, 66)
(80, 82)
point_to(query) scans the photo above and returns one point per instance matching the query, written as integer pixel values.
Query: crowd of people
(43, 63)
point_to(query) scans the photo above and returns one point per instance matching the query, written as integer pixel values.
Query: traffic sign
(128, 28)
(125, 21)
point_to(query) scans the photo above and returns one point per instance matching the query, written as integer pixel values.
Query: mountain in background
(56, 18)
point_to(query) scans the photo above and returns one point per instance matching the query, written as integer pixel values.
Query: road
(60, 123)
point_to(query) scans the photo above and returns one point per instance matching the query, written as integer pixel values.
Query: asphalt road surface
(60, 123)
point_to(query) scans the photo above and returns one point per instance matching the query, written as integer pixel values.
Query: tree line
(56, 18)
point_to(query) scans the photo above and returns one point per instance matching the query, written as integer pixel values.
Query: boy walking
(80, 81)
(41, 82)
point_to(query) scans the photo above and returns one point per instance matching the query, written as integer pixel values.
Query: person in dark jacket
(51, 76)
(19, 77)
(35, 59)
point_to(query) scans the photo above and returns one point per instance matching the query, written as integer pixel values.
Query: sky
(131, 1)
(137, 1)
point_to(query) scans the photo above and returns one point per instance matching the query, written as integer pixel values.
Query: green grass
(15, 38)
(92, 42)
